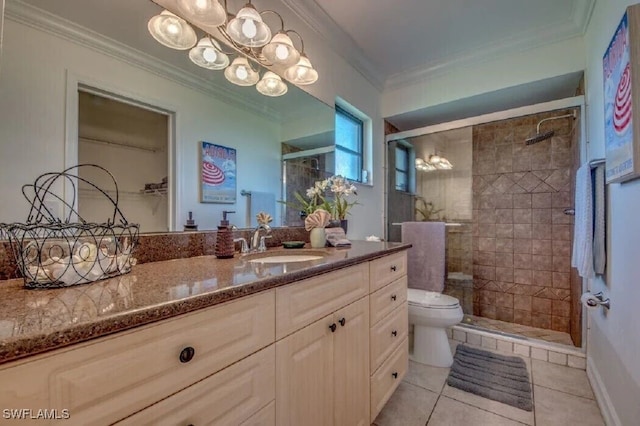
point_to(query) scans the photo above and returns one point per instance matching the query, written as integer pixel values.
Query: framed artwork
(217, 174)
(621, 75)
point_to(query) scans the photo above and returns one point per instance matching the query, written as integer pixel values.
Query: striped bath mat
(498, 377)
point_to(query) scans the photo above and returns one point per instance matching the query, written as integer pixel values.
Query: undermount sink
(286, 258)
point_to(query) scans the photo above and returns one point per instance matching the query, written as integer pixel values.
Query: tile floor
(562, 396)
(521, 330)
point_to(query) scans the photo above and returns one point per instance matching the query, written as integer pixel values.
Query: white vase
(318, 238)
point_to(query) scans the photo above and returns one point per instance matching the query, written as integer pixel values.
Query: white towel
(260, 202)
(599, 250)
(426, 257)
(582, 256)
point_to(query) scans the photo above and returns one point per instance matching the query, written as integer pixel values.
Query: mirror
(52, 49)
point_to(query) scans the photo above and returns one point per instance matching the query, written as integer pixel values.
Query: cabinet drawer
(299, 304)
(229, 397)
(387, 299)
(264, 417)
(105, 381)
(387, 335)
(388, 377)
(387, 269)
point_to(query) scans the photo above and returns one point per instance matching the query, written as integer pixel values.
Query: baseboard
(602, 396)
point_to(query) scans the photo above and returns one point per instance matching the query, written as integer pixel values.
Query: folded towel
(582, 256)
(336, 237)
(318, 219)
(425, 259)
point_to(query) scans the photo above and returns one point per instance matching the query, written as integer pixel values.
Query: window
(402, 168)
(349, 135)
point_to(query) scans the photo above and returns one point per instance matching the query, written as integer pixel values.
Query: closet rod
(121, 144)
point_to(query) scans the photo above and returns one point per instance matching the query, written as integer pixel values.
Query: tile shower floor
(518, 329)
(562, 396)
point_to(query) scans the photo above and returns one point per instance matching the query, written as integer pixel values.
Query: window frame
(360, 143)
(407, 171)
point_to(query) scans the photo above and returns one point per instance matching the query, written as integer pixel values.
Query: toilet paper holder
(601, 301)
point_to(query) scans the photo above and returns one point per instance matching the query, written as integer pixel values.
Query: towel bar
(446, 224)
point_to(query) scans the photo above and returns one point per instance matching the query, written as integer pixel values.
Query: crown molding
(339, 41)
(573, 26)
(42, 20)
(581, 14)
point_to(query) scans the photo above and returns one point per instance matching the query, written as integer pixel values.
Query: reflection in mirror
(305, 160)
(105, 47)
(132, 143)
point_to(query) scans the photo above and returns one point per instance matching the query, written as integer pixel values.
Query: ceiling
(402, 37)
(396, 43)
(392, 43)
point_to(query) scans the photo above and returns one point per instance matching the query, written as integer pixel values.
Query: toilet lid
(431, 299)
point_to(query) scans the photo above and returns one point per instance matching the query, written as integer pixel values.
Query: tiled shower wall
(522, 238)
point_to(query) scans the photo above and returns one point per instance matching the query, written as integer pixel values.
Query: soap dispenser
(224, 240)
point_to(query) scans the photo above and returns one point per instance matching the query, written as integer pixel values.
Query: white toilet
(431, 313)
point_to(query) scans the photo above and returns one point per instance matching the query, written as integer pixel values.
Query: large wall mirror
(84, 81)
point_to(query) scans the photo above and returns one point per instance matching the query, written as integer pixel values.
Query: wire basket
(51, 252)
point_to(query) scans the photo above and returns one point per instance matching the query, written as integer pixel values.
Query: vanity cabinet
(322, 360)
(327, 350)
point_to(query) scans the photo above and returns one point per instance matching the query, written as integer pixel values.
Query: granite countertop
(35, 321)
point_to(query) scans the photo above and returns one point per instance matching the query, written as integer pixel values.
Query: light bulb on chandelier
(246, 32)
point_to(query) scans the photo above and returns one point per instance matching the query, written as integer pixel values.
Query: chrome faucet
(257, 243)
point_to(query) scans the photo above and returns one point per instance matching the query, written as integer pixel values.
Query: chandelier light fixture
(248, 35)
(433, 163)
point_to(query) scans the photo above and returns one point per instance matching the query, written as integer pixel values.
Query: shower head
(539, 137)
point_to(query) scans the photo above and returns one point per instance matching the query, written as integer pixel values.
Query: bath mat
(501, 378)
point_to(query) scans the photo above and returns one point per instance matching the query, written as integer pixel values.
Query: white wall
(32, 122)
(470, 80)
(614, 339)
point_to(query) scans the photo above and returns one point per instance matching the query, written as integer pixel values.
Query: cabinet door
(304, 376)
(351, 364)
(304, 302)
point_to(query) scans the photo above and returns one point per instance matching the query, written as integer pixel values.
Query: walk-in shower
(508, 240)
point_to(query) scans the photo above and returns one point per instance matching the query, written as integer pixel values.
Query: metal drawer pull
(394, 268)
(394, 297)
(187, 354)
(394, 333)
(342, 321)
(395, 375)
(333, 327)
